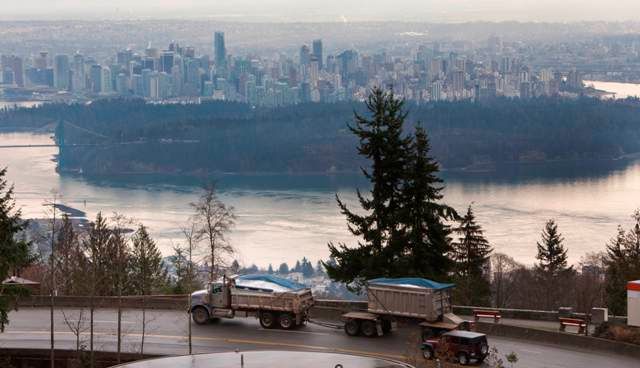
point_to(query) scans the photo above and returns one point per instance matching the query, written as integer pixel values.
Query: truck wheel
(352, 327)
(267, 320)
(427, 353)
(463, 359)
(200, 315)
(286, 321)
(368, 328)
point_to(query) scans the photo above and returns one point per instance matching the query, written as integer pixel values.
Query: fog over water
(284, 218)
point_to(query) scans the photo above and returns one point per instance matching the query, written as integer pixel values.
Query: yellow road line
(233, 341)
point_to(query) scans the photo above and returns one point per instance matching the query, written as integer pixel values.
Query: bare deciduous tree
(214, 219)
(77, 325)
(503, 280)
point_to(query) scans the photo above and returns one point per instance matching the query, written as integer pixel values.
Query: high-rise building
(7, 77)
(305, 55)
(317, 52)
(122, 84)
(95, 77)
(166, 61)
(15, 65)
(41, 61)
(106, 83)
(123, 57)
(61, 72)
(78, 76)
(220, 51)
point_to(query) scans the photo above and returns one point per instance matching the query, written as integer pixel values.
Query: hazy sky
(331, 10)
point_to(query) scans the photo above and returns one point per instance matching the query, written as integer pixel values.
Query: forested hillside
(116, 136)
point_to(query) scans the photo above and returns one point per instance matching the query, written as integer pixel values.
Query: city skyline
(430, 72)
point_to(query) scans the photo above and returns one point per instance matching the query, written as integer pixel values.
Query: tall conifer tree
(14, 253)
(382, 143)
(552, 255)
(401, 224)
(552, 270)
(471, 255)
(424, 247)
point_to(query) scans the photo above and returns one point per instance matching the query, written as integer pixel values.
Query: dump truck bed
(296, 302)
(406, 301)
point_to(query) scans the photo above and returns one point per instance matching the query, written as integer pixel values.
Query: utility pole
(53, 203)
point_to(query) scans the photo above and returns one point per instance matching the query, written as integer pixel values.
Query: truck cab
(212, 302)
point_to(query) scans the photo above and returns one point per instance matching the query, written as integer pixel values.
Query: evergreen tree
(404, 227)
(471, 255)
(235, 267)
(306, 268)
(319, 268)
(270, 269)
(180, 263)
(425, 246)
(14, 253)
(283, 269)
(72, 264)
(622, 265)
(297, 267)
(147, 271)
(552, 255)
(381, 142)
(551, 270)
(96, 245)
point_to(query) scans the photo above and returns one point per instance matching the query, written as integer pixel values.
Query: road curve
(166, 333)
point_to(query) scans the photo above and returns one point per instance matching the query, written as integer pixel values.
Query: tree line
(133, 136)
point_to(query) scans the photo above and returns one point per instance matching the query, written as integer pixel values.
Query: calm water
(621, 90)
(283, 218)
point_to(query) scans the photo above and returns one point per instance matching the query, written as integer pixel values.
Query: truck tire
(352, 327)
(463, 359)
(368, 328)
(267, 320)
(286, 321)
(200, 315)
(427, 353)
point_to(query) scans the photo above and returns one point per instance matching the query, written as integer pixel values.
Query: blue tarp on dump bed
(411, 282)
(264, 280)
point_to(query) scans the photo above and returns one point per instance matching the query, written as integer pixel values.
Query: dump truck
(426, 302)
(276, 302)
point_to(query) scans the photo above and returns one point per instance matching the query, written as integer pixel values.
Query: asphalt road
(166, 333)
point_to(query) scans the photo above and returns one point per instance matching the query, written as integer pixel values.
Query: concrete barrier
(176, 302)
(559, 339)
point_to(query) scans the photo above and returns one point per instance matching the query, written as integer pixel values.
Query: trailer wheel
(200, 315)
(352, 327)
(368, 328)
(286, 321)
(267, 320)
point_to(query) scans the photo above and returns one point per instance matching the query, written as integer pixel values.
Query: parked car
(463, 346)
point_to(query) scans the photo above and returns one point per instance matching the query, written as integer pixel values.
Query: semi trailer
(390, 300)
(276, 302)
